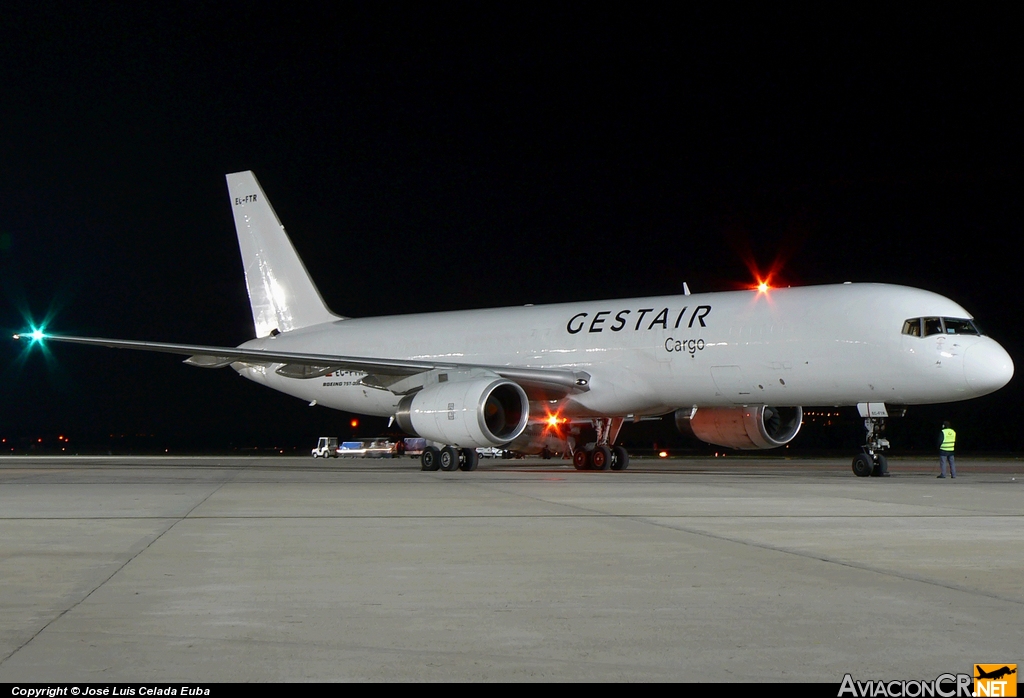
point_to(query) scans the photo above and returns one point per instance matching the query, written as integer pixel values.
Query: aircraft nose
(987, 367)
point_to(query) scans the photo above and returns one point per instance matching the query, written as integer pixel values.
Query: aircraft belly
(340, 392)
(355, 398)
(764, 371)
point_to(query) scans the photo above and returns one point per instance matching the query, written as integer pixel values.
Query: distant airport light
(663, 454)
(763, 287)
(354, 423)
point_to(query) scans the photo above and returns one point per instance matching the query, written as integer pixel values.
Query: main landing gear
(449, 459)
(870, 462)
(601, 455)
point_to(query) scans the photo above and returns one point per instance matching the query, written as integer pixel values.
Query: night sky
(433, 157)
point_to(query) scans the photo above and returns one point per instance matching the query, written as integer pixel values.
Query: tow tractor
(326, 447)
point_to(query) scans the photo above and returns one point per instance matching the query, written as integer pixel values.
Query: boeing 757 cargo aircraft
(734, 367)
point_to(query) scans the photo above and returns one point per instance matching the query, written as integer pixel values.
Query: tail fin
(281, 293)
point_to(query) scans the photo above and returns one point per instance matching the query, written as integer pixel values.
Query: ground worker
(947, 440)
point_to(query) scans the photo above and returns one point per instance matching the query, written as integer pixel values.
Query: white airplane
(733, 366)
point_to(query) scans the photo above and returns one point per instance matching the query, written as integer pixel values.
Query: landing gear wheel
(881, 468)
(620, 458)
(601, 458)
(581, 459)
(431, 459)
(470, 459)
(449, 459)
(863, 465)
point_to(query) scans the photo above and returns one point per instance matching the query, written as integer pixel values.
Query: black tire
(863, 465)
(581, 459)
(449, 459)
(601, 458)
(881, 466)
(620, 460)
(470, 459)
(430, 459)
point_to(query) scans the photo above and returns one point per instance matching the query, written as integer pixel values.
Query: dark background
(453, 156)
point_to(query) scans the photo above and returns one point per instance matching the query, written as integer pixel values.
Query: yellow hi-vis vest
(948, 439)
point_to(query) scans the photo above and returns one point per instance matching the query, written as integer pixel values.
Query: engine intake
(470, 413)
(748, 428)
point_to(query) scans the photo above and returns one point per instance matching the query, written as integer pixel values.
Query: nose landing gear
(871, 462)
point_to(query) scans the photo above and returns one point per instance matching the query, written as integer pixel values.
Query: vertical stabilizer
(281, 294)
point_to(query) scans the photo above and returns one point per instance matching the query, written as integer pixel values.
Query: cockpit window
(958, 326)
(927, 326)
(932, 325)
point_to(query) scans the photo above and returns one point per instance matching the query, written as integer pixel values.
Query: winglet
(281, 293)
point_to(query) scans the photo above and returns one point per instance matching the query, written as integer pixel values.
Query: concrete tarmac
(290, 569)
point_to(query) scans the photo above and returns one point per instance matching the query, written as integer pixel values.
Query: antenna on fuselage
(686, 289)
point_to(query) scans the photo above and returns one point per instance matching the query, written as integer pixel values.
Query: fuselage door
(731, 383)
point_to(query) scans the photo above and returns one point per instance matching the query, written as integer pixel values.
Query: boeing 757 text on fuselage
(734, 367)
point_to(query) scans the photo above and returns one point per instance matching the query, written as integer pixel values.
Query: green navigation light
(36, 335)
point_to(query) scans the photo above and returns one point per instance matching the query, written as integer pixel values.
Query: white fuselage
(819, 345)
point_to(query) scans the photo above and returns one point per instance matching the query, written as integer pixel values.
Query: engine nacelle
(473, 413)
(748, 428)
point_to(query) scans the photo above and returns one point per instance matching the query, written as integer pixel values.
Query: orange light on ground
(663, 454)
(763, 287)
(354, 423)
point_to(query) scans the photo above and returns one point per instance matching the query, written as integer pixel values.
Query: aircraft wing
(383, 373)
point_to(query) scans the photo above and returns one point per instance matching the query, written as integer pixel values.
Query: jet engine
(748, 428)
(477, 412)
